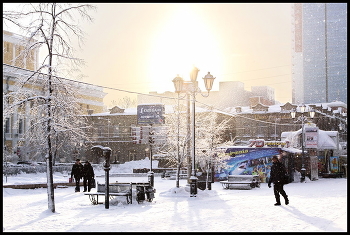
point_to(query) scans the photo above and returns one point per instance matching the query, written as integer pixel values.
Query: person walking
(278, 171)
(77, 172)
(88, 174)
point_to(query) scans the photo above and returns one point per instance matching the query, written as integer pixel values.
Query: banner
(334, 164)
(311, 137)
(248, 161)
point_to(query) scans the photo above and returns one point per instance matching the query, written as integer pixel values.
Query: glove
(269, 185)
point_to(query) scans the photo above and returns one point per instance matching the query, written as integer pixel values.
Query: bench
(144, 191)
(172, 175)
(115, 189)
(250, 181)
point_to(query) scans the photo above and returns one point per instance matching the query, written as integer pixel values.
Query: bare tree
(125, 102)
(208, 136)
(177, 138)
(54, 110)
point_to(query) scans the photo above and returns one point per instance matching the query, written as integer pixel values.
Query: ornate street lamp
(193, 90)
(302, 118)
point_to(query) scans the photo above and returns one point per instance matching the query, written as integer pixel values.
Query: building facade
(319, 52)
(16, 67)
(260, 122)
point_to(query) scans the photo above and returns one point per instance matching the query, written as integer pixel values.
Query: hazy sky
(142, 47)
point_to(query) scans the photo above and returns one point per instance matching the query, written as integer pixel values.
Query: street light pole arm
(205, 94)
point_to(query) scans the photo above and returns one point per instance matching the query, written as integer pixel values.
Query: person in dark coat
(277, 173)
(77, 172)
(88, 176)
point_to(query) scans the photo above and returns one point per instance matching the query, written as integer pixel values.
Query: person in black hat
(77, 172)
(278, 171)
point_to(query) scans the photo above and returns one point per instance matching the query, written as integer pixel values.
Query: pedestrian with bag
(89, 176)
(277, 177)
(77, 173)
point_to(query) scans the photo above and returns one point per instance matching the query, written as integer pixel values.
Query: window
(7, 125)
(100, 132)
(115, 131)
(132, 156)
(20, 126)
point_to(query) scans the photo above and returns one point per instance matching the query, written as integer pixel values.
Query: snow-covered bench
(250, 181)
(115, 189)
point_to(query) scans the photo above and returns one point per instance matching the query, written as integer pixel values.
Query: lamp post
(193, 90)
(151, 143)
(106, 165)
(302, 118)
(178, 142)
(106, 152)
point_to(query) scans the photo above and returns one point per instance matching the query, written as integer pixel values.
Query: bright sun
(183, 42)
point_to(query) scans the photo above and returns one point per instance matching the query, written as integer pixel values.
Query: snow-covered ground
(315, 206)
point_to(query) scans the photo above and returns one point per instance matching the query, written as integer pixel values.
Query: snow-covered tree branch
(51, 102)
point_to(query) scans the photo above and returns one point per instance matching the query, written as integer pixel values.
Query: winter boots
(278, 202)
(286, 200)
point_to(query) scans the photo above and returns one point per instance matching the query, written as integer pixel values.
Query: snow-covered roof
(133, 111)
(292, 150)
(325, 140)
(277, 107)
(230, 111)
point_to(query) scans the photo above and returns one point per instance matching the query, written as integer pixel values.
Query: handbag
(71, 180)
(93, 183)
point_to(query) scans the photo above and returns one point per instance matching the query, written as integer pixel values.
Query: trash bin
(140, 194)
(150, 193)
(193, 186)
(209, 185)
(151, 178)
(201, 185)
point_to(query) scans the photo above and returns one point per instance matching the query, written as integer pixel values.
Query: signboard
(311, 137)
(150, 114)
(262, 143)
(334, 164)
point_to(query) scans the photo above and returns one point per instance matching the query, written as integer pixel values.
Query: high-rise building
(319, 52)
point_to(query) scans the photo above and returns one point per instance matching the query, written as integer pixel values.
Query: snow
(315, 206)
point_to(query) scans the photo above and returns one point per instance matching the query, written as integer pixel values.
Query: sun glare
(183, 42)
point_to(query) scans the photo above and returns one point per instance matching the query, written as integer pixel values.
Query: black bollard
(106, 165)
